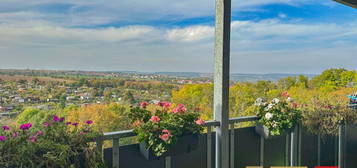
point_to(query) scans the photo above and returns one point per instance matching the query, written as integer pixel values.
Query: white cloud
(190, 34)
(261, 46)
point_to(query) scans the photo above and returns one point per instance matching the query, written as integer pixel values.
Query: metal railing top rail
(243, 119)
(130, 133)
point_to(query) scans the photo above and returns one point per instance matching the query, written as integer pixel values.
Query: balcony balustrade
(246, 148)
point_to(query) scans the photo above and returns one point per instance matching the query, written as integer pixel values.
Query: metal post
(319, 149)
(209, 147)
(168, 162)
(232, 136)
(341, 146)
(299, 147)
(99, 146)
(287, 150)
(221, 80)
(293, 147)
(261, 163)
(115, 153)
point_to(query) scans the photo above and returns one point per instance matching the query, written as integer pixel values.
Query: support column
(221, 80)
(294, 146)
(342, 146)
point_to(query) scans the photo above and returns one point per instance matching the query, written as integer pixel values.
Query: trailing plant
(278, 115)
(161, 127)
(56, 144)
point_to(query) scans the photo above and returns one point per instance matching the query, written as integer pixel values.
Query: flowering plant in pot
(166, 130)
(56, 143)
(277, 116)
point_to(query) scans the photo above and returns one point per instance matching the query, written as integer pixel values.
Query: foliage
(325, 113)
(161, 128)
(196, 96)
(37, 116)
(334, 78)
(55, 144)
(278, 116)
(110, 117)
(243, 94)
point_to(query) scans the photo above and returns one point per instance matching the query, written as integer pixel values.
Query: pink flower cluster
(144, 104)
(161, 104)
(165, 136)
(179, 109)
(200, 122)
(155, 119)
(164, 104)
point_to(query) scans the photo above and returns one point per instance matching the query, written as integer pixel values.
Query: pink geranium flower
(165, 131)
(5, 128)
(164, 137)
(3, 138)
(180, 109)
(164, 104)
(144, 104)
(167, 104)
(26, 126)
(200, 122)
(155, 119)
(61, 119)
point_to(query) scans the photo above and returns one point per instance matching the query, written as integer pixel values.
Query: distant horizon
(79, 70)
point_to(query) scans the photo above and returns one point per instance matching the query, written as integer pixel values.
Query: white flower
(268, 116)
(269, 107)
(276, 100)
(289, 99)
(258, 102)
(275, 124)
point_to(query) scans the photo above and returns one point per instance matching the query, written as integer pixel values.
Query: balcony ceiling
(351, 3)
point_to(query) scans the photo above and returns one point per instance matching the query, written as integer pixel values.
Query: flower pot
(184, 144)
(262, 130)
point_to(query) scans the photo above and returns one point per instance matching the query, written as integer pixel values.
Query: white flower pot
(262, 130)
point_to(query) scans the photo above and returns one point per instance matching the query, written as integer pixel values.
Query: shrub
(56, 144)
(324, 115)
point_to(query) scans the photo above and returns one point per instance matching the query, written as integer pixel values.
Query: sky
(268, 36)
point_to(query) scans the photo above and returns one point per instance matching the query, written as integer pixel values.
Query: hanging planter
(184, 145)
(166, 130)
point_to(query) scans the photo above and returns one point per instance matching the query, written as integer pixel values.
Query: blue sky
(268, 36)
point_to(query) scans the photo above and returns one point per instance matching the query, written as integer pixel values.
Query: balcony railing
(116, 136)
(297, 148)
